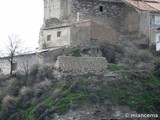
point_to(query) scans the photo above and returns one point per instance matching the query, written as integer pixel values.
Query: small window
(59, 34)
(14, 66)
(157, 20)
(101, 8)
(48, 37)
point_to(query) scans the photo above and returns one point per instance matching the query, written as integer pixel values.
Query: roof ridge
(133, 5)
(149, 5)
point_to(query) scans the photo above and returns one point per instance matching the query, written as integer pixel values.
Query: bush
(153, 50)
(114, 67)
(74, 51)
(145, 56)
(40, 73)
(138, 58)
(25, 97)
(44, 85)
(74, 86)
(9, 102)
(9, 107)
(112, 52)
(39, 110)
(139, 75)
(34, 70)
(45, 72)
(56, 93)
(157, 70)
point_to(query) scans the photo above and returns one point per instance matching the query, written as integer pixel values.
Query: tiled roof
(145, 5)
(154, 5)
(150, 0)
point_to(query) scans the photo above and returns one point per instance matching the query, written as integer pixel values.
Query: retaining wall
(81, 64)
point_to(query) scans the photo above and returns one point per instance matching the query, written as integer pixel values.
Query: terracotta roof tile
(154, 5)
(146, 5)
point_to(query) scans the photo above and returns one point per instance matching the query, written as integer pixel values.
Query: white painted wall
(158, 41)
(4, 66)
(63, 40)
(24, 62)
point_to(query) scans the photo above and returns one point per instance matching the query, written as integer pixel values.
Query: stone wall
(112, 13)
(112, 18)
(52, 9)
(56, 9)
(144, 23)
(80, 33)
(88, 32)
(103, 33)
(131, 19)
(54, 58)
(49, 57)
(81, 64)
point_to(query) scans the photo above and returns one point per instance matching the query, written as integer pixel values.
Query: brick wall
(103, 33)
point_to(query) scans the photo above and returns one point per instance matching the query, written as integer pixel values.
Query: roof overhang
(144, 5)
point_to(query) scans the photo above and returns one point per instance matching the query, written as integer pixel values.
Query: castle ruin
(87, 22)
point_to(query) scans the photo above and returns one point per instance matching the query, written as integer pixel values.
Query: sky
(22, 17)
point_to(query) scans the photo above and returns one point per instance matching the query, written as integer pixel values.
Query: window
(14, 66)
(159, 40)
(157, 20)
(101, 8)
(48, 37)
(59, 34)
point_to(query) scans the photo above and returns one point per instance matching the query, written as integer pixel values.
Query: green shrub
(40, 73)
(9, 107)
(157, 70)
(74, 51)
(114, 67)
(139, 75)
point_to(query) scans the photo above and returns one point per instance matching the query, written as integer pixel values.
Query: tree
(26, 62)
(13, 47)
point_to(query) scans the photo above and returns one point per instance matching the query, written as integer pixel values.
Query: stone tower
(70, 22)
(56, 14)
(56, 9)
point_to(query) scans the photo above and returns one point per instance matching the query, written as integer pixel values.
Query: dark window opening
(14, 66)
(59, 34)
(101, 8)
(48, 37)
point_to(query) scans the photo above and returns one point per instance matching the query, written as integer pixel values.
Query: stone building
(21, 64)
(85, 22)
(147, 13)
(88, 23)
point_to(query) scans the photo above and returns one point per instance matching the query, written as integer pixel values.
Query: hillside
(130, 84)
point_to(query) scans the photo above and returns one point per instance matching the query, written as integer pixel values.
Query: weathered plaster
(24, 63)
